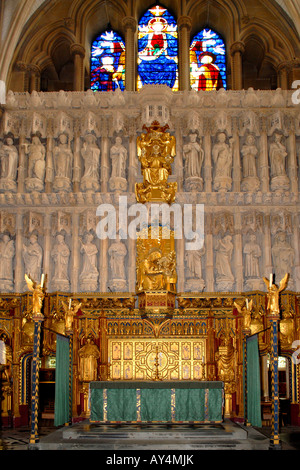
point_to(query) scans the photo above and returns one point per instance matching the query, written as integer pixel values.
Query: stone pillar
(49, 161)
(267, 251)
(78, 53)
(22, 163)
(207, 162)
(34, 77)
(19, 279)
(282, 76)
(180, 252)
(179, 159)
(292, 161)
(238, 252)
(103, 265)
(184, 27)
(236, 50)
(264, 159)
(47, 247)
(75, 254)
(132, 165)
(104, 164)
(130, 26)
(236, 174)
(209, 250)
(76, 160)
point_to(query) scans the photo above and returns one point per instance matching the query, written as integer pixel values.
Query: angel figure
(273, 294)
(70, 312)
(37, 296)
(245, 310)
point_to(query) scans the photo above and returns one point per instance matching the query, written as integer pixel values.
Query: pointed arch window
(158, 49)
(108, 62)
(207, 61)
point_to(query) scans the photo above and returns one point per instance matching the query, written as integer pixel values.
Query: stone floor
(257, 439)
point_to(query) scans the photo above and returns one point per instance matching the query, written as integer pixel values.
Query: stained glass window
(157, 49)
(207, 61)
(108, 62)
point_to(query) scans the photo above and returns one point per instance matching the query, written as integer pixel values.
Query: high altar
(144, 310)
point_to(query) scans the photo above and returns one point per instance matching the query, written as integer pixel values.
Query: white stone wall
(236, 153)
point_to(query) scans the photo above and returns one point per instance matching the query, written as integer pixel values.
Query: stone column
(19, 278)
(180, 252)
(75, 267)
(76, 159)
(47, 248)
(264, 159)
(207, 162)
(103, 263)
(22, 163)
(104, 164)
(130, 26)
(292, 161)
(238, 252)
(179, 159)
(236, 50)
(78, 53)
(236, 174)
(34, 77)
(295, 245)
(49, 160)
(282, 76)
(267, 251)
(184, 27)
(209, 250)
(132, 165)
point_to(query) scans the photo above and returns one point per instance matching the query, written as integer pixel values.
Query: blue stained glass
(207, 61)
(108, 62)
(158, 49)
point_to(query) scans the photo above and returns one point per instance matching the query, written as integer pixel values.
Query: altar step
(126, 437)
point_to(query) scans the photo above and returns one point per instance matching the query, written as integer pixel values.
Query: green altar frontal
(173, 402)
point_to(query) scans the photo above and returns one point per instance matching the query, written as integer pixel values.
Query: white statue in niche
(62, 159)
(7, 252)
(222, 158)
(282, 256)
(118, 156)
(32, 256)
(36, 164)
(60, 254)
(193, 262)
(224, 278)
(117, 253)
(252, 253)
(9, 165)
(89, 272)
(193, 155)
(90, 153)
(278, 154)
(249, 152)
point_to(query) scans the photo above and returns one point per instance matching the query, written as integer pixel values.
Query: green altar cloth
(120, 401)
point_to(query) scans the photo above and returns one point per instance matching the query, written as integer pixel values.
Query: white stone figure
(118, 156)
(9, 165)
(282, 256)
(62, 160)
(36, 164)
(193, 263)
(252, 253)
(278, 154)
(193, 155)
(7, 252)
(89, 272)
(32, 256)
(222, 158)
(224, 278)
(60, 254)
(249, 153)
(90, 153)
(117, 252)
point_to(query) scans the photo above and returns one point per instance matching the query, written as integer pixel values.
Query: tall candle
(70, 301)
(271, 279)
(247, 303)
(42, 280)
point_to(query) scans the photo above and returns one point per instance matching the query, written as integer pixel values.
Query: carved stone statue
(278, 154)
(36, 165)
(193, 261)
(7, 252)
(89, 272)
(118, 155)
(90, 153)
(88, 361)
(60, 255)
(63, 158)
(252, 253)
(9, 164)
(117, 252)
(222, 158)
(250, 181)
(33, 255)
(282, 255)
(193, 155)
(224, 276)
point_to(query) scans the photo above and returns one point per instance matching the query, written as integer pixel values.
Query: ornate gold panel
(151, 359)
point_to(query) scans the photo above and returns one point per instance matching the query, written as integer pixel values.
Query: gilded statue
(245, 310)
(70, 311)
(273, 294)
(88, 361)
(156, 151)
(37, 296)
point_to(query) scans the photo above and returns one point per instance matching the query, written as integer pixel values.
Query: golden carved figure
(70, 312)
(286, 328)
(245, 310)
(156, 151)
(88, 361)
(37, 296)
(273, 294)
